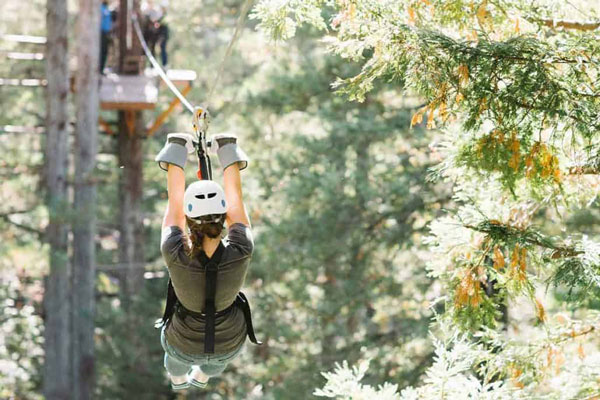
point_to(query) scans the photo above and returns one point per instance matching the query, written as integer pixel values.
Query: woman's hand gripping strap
(229, 152)
(175, 150)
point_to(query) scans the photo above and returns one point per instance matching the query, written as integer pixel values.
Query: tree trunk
(56, 298)
(131, 132)
(87, 82)
(131, 244)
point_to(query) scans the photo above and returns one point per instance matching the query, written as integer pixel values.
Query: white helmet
(204, 197)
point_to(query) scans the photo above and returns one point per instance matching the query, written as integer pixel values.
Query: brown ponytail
(198, 229)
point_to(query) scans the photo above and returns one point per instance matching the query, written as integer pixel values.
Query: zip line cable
(163, 75)
(236, 33)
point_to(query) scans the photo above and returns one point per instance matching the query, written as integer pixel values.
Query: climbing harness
(210, 292)
(210, 313)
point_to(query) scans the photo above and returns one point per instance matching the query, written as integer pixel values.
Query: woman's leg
(176, 367)
(213, 368)
(216, 365)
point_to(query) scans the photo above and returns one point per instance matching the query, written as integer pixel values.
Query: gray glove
(175, 150)
(226, 147)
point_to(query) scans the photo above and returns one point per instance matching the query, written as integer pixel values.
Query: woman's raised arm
(172, 158)
(236, 210)
(233, 159)
(174, 214)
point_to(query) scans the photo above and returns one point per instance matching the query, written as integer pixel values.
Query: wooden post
(123, 15)
(84, 224)
(130, 152)
(57, 310)
(131, 178)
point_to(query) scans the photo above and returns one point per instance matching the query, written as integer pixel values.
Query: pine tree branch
(6, 217)
(13, 212)
(507, 230)
(440, 40)
(574, 118)
(568, 336)
(575, 25)
(584, 170)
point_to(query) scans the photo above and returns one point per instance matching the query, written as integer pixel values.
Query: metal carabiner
(200, 122)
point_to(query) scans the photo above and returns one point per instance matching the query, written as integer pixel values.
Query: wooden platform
(138, 92)
(128, 92)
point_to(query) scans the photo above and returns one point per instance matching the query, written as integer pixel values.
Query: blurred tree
(57, 302)
(84, 224)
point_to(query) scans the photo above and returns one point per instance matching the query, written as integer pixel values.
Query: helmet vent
(200, 196)
(211, 195)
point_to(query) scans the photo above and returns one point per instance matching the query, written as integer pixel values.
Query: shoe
(180, 386)
(195, 382)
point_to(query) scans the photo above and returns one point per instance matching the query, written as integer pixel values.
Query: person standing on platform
(163, 32)
(105, 30)
(156, 30)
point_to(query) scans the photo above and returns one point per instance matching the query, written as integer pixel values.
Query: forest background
(450, 262)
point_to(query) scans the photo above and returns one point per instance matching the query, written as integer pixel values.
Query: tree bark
(57, 368)
(131, 178)
(131, 249)
(84, 227)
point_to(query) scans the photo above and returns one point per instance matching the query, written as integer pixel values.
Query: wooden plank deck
(128, 92)
(24, 39)
(16, 55)
(21, 129)
(180, 77)
(138, 92)
(23, 82)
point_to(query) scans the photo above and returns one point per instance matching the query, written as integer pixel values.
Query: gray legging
(179, 364)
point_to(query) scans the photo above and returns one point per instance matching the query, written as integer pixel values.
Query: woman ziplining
(207, 318)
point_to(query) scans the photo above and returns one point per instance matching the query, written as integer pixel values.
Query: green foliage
(344, 383)
(513, 81)
(514, 85)
(21, 337)
(580, 274)
(352, 193)
(281, 18)
(365, 228)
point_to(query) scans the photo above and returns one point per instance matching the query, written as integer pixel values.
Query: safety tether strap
(243, 303)
(169, 307)
(212, 266)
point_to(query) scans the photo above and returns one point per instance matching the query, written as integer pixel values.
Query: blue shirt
(105, 18)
